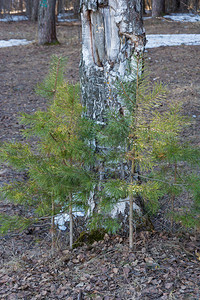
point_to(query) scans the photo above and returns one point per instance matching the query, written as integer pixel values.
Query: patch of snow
(12, 18)
(68, 20)
(13, 42)
(147, 18)
(66, 17)
(190, 18)
(158, 40)
(183, 17)
(61, 219)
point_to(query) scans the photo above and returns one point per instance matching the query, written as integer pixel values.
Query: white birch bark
(112, 33)
(112, 37)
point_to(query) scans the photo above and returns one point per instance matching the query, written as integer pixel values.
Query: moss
(89, 237)
(52, 43)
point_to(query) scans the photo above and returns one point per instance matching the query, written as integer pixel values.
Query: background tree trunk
(158, 8)
(175, 5)
(184, 5)
(59, 6)
(28, 8)
(21, 5)
(196, 5)
(7, 6)
(143, 6)
(1, 6)
(32, 9)
(47, 22)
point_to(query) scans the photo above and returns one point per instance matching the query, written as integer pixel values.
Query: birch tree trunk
(112, 37)
(112, 33)
(47, 22)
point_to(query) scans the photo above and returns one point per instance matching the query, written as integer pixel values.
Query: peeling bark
(112, 33)
(112, 37)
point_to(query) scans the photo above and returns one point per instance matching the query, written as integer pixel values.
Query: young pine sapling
(57, 164)
(141, 148)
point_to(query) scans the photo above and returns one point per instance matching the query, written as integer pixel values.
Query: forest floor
(162, 265)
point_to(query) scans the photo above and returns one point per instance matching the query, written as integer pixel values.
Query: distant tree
(32, 9)
(47, 22)
(143, 3)
(1, 6)
(21, 5)
(158, 8)
(76, 7)
(147, 4)
(5, 6)
(196, 5)
(175, 5)
(184, 5)
(59, 6)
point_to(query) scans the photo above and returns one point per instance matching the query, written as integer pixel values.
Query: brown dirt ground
(161, 266)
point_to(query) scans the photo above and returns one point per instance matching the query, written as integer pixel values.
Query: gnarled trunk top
(112, 33)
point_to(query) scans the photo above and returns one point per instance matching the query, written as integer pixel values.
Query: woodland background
(163, 265)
